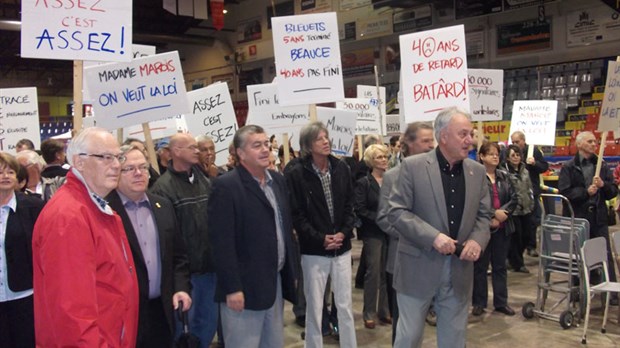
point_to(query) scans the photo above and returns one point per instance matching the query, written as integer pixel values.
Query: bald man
(188, 190)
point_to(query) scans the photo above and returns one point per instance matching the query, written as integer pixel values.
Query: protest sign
(367, 110)
(264, 109)
(486, 95)
(212, 113)
(610, 109)
(19, 117)
(341, 127)
(536, 119)
(307, 55)
(146, 89)
(392, 125)
(434, 72)
(159, 129)
(77, 30)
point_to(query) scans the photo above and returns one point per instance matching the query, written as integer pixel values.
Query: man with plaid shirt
(322, 208)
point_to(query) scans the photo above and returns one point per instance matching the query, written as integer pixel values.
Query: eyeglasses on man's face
(106, 158)
(143, 168)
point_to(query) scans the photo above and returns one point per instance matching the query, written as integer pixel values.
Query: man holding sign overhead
(588, 191)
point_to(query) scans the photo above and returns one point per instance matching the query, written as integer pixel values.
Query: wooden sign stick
(286, 148)
(313, 117)
(78, 75)
(379, 104)
(150, 147)
(480, 135)
(601, 151)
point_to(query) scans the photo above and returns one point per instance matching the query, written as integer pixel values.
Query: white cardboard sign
(264, 109)
(486, 94)
(434, 72)
(610, 110)
(307, 55)
(341, 127)
(367, 111)
(77, 29)
(145, 89)
(212, 113)
(19, 117)
(536, 119)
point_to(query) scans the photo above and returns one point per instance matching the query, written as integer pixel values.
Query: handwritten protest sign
(610, 110)
(146, 89)
(392, 125)
(265, 110)
(434, 72)
(212, 114)
(307, 54)
(159, 129)
(371, 92)
(77, 29)
(486, 95)
(536, 119)
(367, 111)
(19, 117)
(341, 127)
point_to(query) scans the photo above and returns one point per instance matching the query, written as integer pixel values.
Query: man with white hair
(587, 193)
(85, 286)
(34, 165)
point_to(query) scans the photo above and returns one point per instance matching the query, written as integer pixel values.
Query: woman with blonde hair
(367, 193)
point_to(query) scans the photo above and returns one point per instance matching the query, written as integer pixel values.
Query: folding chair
(594, 257)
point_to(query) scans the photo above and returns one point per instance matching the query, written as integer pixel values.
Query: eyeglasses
(106, 158)
(143, 168)
(514, 154)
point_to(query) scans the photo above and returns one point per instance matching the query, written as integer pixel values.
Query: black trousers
(495, 253)
(153, 331)
(17, 323)
(524, 224)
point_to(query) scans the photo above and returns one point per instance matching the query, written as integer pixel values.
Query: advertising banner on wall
(592, 25)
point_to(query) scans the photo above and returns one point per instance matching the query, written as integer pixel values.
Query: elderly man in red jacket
(85, 286)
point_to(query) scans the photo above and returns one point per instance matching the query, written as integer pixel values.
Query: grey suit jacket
(382, 216)
(418, 212)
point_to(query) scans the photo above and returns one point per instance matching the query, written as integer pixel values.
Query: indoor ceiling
(152, 25)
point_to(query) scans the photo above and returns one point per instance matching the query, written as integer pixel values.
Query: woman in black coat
(367, 193)
(504, 201)
(18, 214)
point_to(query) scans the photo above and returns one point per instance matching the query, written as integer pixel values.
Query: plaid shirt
(326, 182)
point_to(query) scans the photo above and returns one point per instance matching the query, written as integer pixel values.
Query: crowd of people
(98, 248)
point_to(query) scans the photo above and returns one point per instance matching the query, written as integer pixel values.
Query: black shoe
(522, 269)
(506, 310)
(301, 321)
(477, 311)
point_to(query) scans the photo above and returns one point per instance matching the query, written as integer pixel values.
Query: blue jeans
(203, 315)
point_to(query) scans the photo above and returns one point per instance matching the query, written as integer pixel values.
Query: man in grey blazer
(441, 208)
(418, 138)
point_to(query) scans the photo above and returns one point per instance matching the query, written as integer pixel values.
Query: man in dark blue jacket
(255, 255)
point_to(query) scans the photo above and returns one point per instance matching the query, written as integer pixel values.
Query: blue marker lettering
(45, 36)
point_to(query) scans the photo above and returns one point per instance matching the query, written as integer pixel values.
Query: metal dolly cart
(559, 269)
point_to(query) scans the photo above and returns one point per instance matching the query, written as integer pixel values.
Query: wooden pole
(313, 117)
(601, 151)
(379, 104)
(480, 135)
(286, 148)
(150, 147)
(360, 147)
(120, 137)
(78, 75)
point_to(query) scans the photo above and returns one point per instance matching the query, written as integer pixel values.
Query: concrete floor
(490, 330)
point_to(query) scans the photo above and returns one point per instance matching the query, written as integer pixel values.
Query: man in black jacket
(157, 247)
(587, 192)
(188, 190)
(255, 255)
(322, 206)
